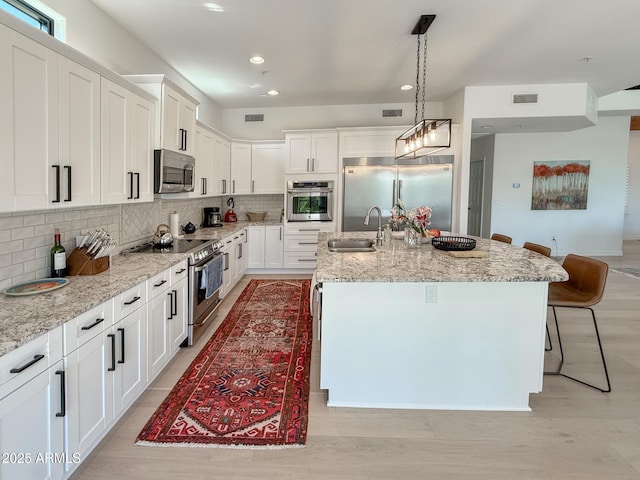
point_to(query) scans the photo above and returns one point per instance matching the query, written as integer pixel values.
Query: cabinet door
(273, 248)
(298, 153)
(267, 168)
(204, 182)
(178, 322)
(255, 246)
(240, 168)
(130, 377)
(171, 135)
(28, 123)
(89, 392)
(79, 162)
(221, 176)
(30, 427)
(117, 177)
(188, 125)
(141, 131)
(324, 157)
(158, 310)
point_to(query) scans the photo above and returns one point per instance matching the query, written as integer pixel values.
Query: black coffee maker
(212, 217)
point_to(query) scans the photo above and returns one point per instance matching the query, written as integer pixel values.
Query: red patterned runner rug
(249, 386)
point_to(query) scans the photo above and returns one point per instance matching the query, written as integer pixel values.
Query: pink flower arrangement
(417, 218)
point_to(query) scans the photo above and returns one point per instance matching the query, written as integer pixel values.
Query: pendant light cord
(418, 81)
(424, 73)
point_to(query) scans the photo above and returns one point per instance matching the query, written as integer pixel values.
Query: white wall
(594, 231)
(95, 34)
(632, 214)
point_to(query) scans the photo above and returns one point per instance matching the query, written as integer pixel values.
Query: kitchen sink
(351, 245)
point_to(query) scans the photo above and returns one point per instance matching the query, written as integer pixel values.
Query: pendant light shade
(427, 136)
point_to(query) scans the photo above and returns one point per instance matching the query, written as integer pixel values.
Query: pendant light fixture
(427, 136)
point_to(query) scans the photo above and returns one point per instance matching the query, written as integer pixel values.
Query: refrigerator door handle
(399, 190)
(393, 195)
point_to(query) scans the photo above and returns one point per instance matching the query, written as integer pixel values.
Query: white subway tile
(56, 217)
(37, 219)
(11, 247)
(11, 222)
(24, 256)
(21, 233)
(38, 241)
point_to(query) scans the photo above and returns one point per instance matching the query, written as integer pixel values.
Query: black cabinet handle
(185, 139)
(57, 168)
(97, 322)
(226, 261)
(121, 330)
(159, 284)
(135, 299)
(113, 352)
(36, 359)
(63, 397)
(180, 271)
(130, 185)
(68, 169)
(170, 294)
(174, 304)
(137, 175)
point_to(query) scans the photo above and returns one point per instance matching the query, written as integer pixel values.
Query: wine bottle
(58, 257)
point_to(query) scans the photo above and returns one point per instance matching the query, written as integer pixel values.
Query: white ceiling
(331, 52)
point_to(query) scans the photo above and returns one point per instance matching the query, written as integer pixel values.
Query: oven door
(202, 306)
(307, 205)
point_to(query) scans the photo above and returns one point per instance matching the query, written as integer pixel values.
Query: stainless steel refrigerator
(381, 181)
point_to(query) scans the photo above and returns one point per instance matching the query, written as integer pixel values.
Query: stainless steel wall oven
(309, 201)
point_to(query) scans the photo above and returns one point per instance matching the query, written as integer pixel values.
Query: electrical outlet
(431, 294)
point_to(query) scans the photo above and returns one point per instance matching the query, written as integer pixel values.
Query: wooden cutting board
(468, 254)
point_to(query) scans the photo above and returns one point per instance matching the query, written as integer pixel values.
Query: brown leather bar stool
(501, 238)
(584, 289)
(546, 251)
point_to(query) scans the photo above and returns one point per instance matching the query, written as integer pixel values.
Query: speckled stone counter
(393, 262)
(25, 318)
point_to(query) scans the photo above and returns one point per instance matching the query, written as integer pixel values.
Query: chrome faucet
(366, 222)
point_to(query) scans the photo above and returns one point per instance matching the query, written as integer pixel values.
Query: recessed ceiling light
(256, 60)
(214, 7)
(273, 93)
(406, 87)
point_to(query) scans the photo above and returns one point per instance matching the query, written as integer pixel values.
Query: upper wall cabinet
(127, 150)
(312, 151)
(203, 184)
(221, 183)
(240, 168)
(267, 168)
(49, 128)
(176, 115)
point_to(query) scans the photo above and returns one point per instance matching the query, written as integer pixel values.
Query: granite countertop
(393, 262)
(25, 318)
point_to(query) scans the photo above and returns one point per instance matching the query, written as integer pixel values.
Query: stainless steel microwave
(173, 172)
(309, 201)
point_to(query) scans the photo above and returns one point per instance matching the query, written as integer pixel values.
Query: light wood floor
(572, 432)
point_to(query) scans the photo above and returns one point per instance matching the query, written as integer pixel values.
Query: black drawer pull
(135, 299)
(63, 397)
(97, 322)
(159, 284)
(36, 359)
(180, 271)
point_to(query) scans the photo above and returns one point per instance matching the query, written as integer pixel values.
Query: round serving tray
(36, 286)
(453, 243)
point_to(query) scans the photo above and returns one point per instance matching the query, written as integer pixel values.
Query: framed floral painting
(562, 185)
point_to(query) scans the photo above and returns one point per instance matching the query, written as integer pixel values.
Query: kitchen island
(405, 328)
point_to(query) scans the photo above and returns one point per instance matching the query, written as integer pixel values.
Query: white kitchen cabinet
(158, 312)
(240, 168)
(255, 246)
(234, 262)
(264, 245)
(313, 152)
(180, 319)
(301, 243)
(126, 147)
(204, 182)
(28, 122)
(76, 173)
(32, 409)
(221, 182)
(267, 168)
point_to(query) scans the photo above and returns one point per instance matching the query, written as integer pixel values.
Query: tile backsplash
(27, 237)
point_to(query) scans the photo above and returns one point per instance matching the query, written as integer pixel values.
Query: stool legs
(604, 363)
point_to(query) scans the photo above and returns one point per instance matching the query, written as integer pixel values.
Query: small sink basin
(351, 245)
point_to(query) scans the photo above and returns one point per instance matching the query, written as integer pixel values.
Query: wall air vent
(392, 113)
(525, 98)
(254, 117)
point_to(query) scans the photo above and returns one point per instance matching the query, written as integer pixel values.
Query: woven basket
(255, 216)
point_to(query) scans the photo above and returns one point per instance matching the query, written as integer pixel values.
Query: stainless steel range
(205, 278)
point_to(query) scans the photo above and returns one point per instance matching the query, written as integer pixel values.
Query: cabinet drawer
(308, 228)
(300, 260)
(86, 326)
(130, 301)
(178, 272)
(159, 283)
(301, 243)
(25, 363)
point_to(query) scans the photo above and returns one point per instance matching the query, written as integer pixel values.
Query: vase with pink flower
(414, 221)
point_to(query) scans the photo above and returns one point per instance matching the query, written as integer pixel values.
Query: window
(28, 14)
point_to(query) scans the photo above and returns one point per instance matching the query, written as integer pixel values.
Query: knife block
(79, 263)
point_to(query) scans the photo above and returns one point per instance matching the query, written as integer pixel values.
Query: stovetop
(182, 245)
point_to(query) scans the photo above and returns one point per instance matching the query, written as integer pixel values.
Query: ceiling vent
(392, 112)
(254, 117)
(525, 98)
